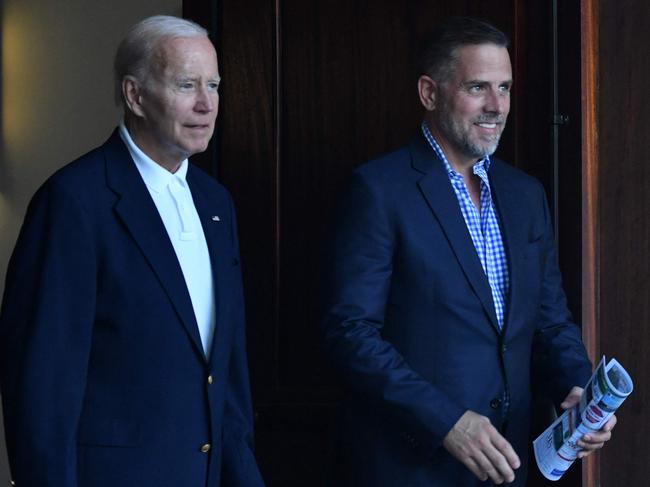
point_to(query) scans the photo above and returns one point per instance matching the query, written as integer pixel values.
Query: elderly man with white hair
(122, 343)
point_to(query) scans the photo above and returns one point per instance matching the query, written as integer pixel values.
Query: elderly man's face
(180, 101)
(472, 106)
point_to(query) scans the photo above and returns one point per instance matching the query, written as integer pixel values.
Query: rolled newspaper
(556, 448)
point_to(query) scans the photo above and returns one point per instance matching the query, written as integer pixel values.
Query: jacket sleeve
(560, 360)
(239, 465)
(359, 270)
(45, 338)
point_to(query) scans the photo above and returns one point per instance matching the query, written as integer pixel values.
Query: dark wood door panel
(348, 95)
(247, 166)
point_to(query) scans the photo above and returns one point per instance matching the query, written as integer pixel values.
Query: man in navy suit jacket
(122, 343)
(443, 286)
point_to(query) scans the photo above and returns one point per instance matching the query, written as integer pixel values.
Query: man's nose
(496, 101)
(205, 101)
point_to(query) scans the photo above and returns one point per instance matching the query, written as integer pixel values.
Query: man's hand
(481, 448)
(593, 441)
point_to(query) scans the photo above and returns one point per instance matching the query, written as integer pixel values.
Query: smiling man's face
(473, 104)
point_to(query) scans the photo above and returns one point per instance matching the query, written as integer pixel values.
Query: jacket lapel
(440, 196)
(139, 214)
(215, 219)
(513, 230)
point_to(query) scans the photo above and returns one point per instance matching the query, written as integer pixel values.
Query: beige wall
(57, 95)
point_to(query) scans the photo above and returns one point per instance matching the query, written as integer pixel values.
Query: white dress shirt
(173, 198)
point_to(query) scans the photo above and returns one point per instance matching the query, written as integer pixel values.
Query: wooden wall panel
(624, 226)
(247, 166)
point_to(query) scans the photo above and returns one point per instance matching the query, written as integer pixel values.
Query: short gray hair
(439, 50)
(135, 52)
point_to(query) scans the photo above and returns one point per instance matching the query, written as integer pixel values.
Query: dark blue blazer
(104, 379)
(411, 326)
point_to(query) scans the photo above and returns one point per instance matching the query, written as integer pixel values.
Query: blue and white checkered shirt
(483, 226)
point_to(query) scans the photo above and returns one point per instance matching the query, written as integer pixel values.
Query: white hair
(135, 52)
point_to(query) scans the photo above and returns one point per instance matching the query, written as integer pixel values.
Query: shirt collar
(154, 175)
(483, 162)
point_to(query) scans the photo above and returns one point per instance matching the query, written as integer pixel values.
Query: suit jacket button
(504, 348)
(495, 403)
(210, 379)
(205, 448)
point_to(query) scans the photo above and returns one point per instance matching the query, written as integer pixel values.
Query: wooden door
(310, 90)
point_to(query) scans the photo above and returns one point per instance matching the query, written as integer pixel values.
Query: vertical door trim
(278, 150)
(590, 240)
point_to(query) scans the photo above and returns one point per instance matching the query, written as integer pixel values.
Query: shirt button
(205, 448)
(210, 379)
(495, 403)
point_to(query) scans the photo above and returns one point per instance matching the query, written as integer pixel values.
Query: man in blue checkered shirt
(443, 285)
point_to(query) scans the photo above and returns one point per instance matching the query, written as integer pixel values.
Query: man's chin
(485, 150)
(198, 147)
(479, 153)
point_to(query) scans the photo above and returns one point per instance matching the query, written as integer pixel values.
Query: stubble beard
(461, 137)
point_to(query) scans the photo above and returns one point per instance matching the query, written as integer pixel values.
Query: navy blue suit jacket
(411, 325)
(104, 379)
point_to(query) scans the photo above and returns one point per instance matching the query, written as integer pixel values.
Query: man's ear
(132, 93)
(428, 91)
